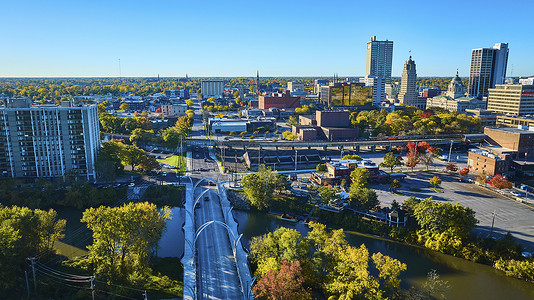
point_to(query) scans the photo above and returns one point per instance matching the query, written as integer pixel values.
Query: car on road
(211, 183)
(164, 173)
(197, 205)
(515, 193)
(131, 184)
(206, 198)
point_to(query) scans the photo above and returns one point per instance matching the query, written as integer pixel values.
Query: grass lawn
(174, 161)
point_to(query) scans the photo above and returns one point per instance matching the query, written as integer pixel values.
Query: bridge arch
(203, 179)
(235, 241)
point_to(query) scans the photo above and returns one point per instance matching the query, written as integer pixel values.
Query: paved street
(510, 215)
(217, 275)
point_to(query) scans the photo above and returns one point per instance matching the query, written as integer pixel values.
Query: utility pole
(93, 287)
(32, 260)
(27, 284)
(296, 156)
(145, 295)
(450, 151)
(492, 222)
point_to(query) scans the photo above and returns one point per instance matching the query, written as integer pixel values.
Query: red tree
(412, 155)
(284, 283)
(464, 172)
(426, 114)
(500, 182)
(423, 147)
(452, 167)
(158, 110)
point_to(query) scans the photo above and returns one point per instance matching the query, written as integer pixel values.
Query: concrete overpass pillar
(357, 149)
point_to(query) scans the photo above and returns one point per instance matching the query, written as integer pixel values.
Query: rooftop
(520, 129)
(485, 153)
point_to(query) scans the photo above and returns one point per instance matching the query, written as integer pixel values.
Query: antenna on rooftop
(120, 71)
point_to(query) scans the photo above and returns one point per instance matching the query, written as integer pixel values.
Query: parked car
(131, 184)
(206, 198)
(164, 173)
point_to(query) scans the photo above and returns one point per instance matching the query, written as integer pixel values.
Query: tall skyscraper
(379, 58)
(488, 68)
(48, 140)
(408, 94)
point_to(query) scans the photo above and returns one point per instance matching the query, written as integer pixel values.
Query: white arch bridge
(215, 263)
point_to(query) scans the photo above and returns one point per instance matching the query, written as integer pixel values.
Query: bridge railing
(241, 258)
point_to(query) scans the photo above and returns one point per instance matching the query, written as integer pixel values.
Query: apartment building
(48, 140)
(512, 99)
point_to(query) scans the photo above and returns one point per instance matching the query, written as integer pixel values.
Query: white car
(131, 184)
(515, 193)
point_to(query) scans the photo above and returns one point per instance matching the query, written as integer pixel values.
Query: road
(217, 275)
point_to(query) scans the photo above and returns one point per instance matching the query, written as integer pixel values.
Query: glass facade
(346, 95)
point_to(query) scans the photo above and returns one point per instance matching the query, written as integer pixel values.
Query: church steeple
(258, 82)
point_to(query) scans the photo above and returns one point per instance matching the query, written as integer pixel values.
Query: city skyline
(211, 39)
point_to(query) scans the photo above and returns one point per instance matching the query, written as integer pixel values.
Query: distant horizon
(107, 39)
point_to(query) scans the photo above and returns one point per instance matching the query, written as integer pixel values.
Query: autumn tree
(463, 171)
(412, 157)
(321, 168)
(189, 102)
(288, 135)
(391, 161)
(123, 238)
(451, 167)
(284, 283)
(500, 182)
(435, 181)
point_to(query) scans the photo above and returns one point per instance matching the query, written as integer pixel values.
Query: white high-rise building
(488, 68)
(379, 59)
(212, 88)
(48, 140)
(408, 94)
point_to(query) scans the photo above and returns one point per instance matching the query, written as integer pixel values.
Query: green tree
(189, 102)
(435, 181)
(140, 137)
(394, 185)
(292, 121)
(23, 233)
(149, 164)
(391, 161)
(171, 137)
(190, 113)
(288, 135)
(321, 168)
(124, 106)
(123, 238)
(354, 157)
(132, 155)
(328, 194)
(108, 163)
(260, 186)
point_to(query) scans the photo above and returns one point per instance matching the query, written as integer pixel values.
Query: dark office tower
(379, 59)
(488, 68)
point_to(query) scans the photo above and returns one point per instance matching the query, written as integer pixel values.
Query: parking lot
(510, 215)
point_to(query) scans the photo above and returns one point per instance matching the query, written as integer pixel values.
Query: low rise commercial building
(278, 100)
(519, 139)
(480, 161)
(514, 121)
(170, 110)
(329, 125)
(487, 117)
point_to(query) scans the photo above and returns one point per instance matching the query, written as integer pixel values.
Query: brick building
(327, 125)
(484, 162)
(520, 140)
(278, 100)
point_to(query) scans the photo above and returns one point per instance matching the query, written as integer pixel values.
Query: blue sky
(236, 38)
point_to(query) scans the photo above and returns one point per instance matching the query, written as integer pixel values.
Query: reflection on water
(467, 280)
